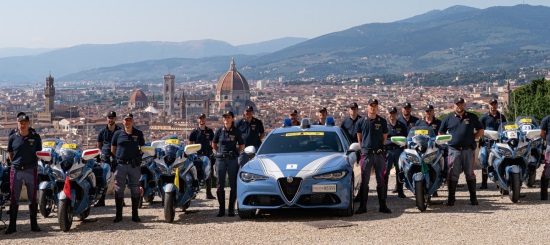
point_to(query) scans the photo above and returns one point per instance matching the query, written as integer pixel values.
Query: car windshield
(293, 142)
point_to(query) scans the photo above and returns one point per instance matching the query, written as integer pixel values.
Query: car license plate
(324, 188)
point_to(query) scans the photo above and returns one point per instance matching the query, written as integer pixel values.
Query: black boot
(394, 189)
(543, 188)
(135, 206)
(13, 219)
(472, 189)
(209, 189)
(400, 193)
(382, 194)
(358, 197)
(221, 202)
(484, 177)
(101, 202)
(33, 209)
(232, 199)
(452, 190)
(363, 198)
(118, 203)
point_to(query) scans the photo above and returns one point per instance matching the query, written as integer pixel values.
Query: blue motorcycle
(526, 123)
(421, 163)
(46, 181)
(149, 179)
(75, 182)
(509, 157)
(4, 187)
(178, 182)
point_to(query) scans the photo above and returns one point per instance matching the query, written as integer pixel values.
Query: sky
(65, 23)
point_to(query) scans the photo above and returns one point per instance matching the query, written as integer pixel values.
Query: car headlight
(74, 173)
(505, 152)
(332, 176)
(57, 174)
(413, 158)
(430, 157)
(521, 151)
(161, 168)
(250, 177)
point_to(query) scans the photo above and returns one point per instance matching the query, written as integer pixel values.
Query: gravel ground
(495, 220)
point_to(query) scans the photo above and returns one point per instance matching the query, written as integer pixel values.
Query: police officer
(22, 148)
(406, 116)
(430, 120)
(490, 121)
(322, 115)
(203, 135)
(395, 128)
(545, 177)
(294, 118)
(13, 131)
(348, 124)
(228, 143)
(126, 146)
(461, 125)
(252, 130)
(372, 132)
(104, 139)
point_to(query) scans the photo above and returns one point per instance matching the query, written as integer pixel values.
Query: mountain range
(458, 38)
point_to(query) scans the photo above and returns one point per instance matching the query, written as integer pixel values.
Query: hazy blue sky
(63, 23)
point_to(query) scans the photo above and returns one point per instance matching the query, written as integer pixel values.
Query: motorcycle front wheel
(65, 214)
(45, 204)
(515, 187)
(421, 200)
(169, 207)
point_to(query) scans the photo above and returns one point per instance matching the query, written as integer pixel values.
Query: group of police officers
(121, 148)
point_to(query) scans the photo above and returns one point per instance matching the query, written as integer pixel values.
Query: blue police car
(306, 166)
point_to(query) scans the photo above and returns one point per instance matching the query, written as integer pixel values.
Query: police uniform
(373, 156)
(128, 159)
(412, 119)
(394, 151)
(23, 169)
(204, 137)
(348, 125)
(435, 123)
(228, 140)
(461, 150)
(545, 177)
(318, 121)
(105, 136)
(489, 122)
(251, 133)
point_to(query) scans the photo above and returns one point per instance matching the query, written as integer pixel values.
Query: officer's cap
(249, 108)
(128, 116)
(111, 114)
(392, 110)
(201, 115)
(20, 114)
(23, 118)
(228, 113)
(353, 105)
(407, 105)
(493, 100)
(323, 109)
(372, 101)
(459, 100)
(429, 108)
(293, 112)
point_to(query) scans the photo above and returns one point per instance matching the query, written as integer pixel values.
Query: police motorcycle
(421, 163)
(178, 182)
(46, 180)
(148, 182)
(509, 157)
(4, 187)
(537, 147)
(75, 181)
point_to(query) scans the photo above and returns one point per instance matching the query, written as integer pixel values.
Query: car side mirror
(354, 147)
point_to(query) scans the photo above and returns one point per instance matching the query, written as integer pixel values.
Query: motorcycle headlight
(332, 176)
(174, 170)
(178, 165)
(413, 158)
(74, 173)
(250, 177)
(40, 169)
(521, 151)
(505, 152)
(146, 161)
(430, 157)
(161, 168)
(57, 174)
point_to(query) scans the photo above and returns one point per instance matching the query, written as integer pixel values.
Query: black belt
(393, 147)
(120, 161)
(460, 148)
(226, 154)
(376, 151)
(19, 167)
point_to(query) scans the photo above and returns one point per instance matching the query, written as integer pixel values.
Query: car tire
(349, 211)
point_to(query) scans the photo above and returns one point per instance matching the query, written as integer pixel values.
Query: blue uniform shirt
(462, 129)
(399, 129)
(410, 123)
(435, 124)
(545, 125)
(203, 137)
(228, 140)
(128, 145)
(251, 131)
(491, 122)
(24, 149)
(106, 137)
(348, 127)
(372, 133)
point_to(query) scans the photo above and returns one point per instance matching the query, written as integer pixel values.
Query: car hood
(295, 164)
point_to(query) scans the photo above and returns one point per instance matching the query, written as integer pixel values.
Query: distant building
(49, 110)
(233, 91)
(137, 100)
(168, 94)
(49, 94)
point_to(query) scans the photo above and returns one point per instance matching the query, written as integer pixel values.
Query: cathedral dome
(232, 80)
(138, 96)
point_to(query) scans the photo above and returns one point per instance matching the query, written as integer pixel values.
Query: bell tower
(49, 94)
(168, 94)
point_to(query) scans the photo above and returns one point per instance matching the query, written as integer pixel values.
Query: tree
(532, 99)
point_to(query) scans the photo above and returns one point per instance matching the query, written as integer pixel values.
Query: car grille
(263, 200)
(319, 199)
(290, 189)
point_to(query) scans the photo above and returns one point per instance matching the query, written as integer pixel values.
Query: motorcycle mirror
(192, 149)
(399, 140)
